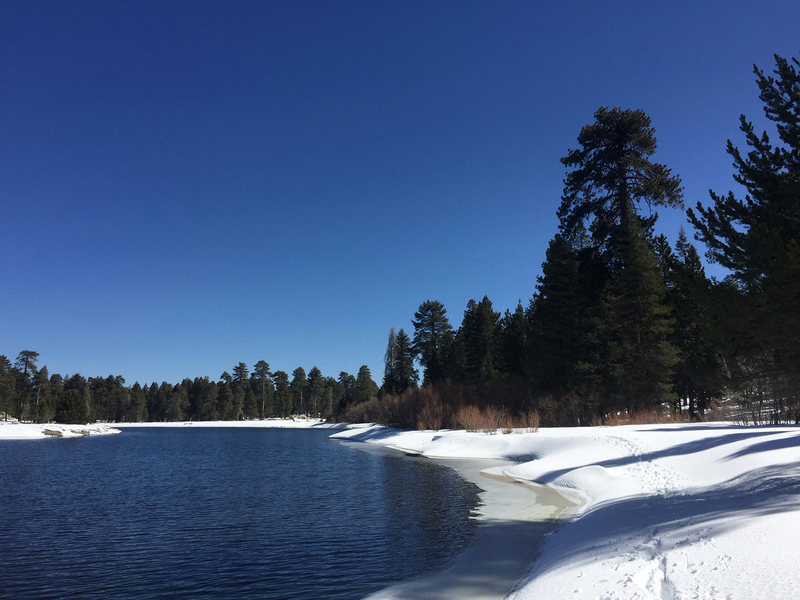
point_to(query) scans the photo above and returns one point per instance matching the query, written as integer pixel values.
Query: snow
(13, 430)
(708, 511)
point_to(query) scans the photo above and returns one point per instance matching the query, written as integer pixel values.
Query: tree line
(30, 393)
(620, 322)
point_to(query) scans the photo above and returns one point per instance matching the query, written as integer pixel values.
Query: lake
(222, 513)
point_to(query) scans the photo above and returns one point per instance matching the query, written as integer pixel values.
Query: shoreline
(666, 511)
(14, 430)
(513, 517)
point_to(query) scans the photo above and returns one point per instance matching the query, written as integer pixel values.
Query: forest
(621, 325)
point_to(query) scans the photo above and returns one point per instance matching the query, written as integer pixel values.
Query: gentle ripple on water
(221, 513)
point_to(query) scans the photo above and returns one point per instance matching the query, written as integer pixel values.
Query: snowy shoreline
(708, 510)
(513, 522)
(13, 430)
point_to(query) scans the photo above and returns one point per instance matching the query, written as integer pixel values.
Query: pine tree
(514, 341)
(433, 336)
(298, 386)
(138, 406)
(7, 387)
(283, 393)
(479, 338)
(366, 389)
(611, 173)
(262, 384)
(698, 372)
(562, 350)
(758, 237)
(391, 383)
(634, 329)
(348, 384)
(627, 350)
(316, 387)
(406, 373)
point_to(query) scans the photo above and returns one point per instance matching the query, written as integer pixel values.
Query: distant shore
(297, 423)
(13, 430)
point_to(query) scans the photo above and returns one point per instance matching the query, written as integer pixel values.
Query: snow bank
(669, 511)
(12, 430)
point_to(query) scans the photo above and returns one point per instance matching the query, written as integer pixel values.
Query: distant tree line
(621, 323)
(30, 393)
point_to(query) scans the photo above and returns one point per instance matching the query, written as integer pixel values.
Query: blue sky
(186, 185)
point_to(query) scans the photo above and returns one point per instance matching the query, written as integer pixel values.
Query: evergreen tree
(138, 407)
(563, 350)
(283, 394)
(391, 383)
(406, 373)
(478, 338)
(152, 410)
(7, 387)
(75, 403)
(758, 237)
(611, 173)
(263, 387)
(433, 337)
(627, 349)
(240, 374)
(366, 388)
(698, 373)
(348, 383)
(225, 408)
(514, 341)
(299, 384)
(26, 361)
(316, 388)
(331, 396)
(250, 404)
(71, 407)
(635, 329)
(43, 406)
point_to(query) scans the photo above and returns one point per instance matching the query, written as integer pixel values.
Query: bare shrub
(640, 417)
(496, 418)
(469, 418)
(530, 420)
(431, 413)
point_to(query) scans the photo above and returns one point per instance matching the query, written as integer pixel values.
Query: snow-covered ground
(12, 430)
(706, 511)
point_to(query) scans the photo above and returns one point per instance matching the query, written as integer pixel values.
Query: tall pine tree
(608, 177)
(758, 237)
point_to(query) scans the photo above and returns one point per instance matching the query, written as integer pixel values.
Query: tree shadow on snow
(677, 450)
(666, 523)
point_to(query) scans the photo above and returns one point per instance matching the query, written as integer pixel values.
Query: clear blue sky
(185, 185)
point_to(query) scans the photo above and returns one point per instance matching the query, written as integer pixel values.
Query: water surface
(221, 513)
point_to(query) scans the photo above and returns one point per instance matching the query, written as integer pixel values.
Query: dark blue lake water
(221, 513)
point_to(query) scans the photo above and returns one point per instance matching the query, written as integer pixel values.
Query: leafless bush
(431, 412)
